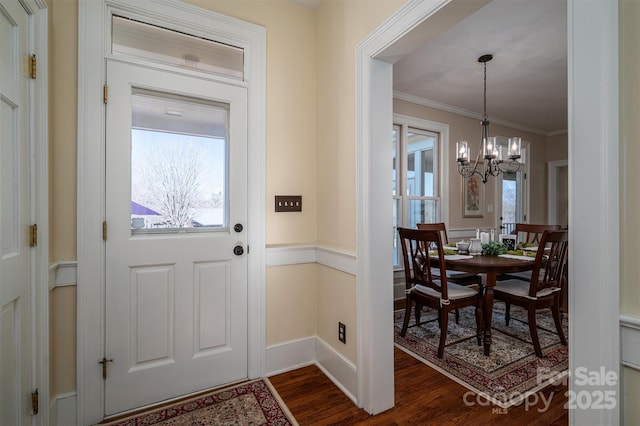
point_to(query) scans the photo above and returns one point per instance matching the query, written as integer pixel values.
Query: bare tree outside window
(174, 179)
(178, 180)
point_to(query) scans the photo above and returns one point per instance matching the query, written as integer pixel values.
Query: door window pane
(179, 149)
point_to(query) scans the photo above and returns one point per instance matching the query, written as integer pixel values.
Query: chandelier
(495, 161)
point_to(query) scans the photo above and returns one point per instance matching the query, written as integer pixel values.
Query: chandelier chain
(485, 92)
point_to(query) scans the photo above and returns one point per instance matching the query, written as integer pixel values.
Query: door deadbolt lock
(238, 227)
(238, 250)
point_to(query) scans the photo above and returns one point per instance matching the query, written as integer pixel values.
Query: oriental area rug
(254, 403)
(510, 374)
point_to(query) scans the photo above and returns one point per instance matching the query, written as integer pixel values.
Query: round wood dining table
(491, 266)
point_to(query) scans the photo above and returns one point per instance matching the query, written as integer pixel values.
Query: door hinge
(104, 230)
(104, 362)
(33, 235)
(34, 402)
(105, 94)
(33, 66)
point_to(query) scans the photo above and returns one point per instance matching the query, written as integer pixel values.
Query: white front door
(176, 254)
(16, 350)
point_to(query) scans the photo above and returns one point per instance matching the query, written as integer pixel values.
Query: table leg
(488, 311)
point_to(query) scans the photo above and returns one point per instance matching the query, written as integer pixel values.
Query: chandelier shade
(492, 158)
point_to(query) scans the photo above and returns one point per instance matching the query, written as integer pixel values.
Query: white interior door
(16, 350)
(176, 255)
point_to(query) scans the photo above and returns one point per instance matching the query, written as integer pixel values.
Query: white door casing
(92, 52)
(176, 303)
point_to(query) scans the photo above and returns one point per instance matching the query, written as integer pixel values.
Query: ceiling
(526, 80)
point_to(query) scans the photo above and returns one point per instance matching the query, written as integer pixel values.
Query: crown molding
(471, 114)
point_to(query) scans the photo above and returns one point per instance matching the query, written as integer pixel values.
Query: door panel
(16, 351)
(176, 295)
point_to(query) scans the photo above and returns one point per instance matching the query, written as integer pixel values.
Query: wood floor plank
(423, 397)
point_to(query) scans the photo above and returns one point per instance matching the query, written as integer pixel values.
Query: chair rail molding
(282, 255)
(62, 274)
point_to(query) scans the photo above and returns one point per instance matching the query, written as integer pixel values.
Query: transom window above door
(137, 39)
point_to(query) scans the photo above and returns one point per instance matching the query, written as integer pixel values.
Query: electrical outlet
(342, 333)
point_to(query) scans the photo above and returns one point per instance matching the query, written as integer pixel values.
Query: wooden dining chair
(531, 233)
(544, 288)
(422, 288)
(458, 277)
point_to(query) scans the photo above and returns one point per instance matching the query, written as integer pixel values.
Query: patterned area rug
(511, 373)
(253, 403)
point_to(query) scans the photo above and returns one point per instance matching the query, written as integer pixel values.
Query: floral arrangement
(494, 248)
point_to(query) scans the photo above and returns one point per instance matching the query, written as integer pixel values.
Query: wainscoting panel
(310, 350)
(630, 340)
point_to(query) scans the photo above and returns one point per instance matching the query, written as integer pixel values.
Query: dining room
(470, 154)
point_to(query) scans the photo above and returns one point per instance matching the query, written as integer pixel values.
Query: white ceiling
(526, 80)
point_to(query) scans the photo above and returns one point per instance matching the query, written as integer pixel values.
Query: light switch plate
(288, 203)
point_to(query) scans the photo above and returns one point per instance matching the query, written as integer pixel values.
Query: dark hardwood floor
(422, 397)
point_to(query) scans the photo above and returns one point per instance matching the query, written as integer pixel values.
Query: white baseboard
(300, 353)
(290, 355)
(63, 410)
(342, 372)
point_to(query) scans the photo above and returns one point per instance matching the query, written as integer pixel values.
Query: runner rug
(506, 377)
(251, 403)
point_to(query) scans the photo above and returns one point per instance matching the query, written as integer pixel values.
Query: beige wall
(336, 303)
(63, 83)
(63, 94)
(629, 194)
(557, 147)
(630, 155)
(341, 26)
(62, 350)
(291, 110)
(291, 302)
(464, 128)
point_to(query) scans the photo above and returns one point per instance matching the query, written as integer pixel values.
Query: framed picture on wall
(472, 196)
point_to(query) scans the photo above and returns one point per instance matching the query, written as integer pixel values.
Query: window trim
(404, 123)
(442, 154)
